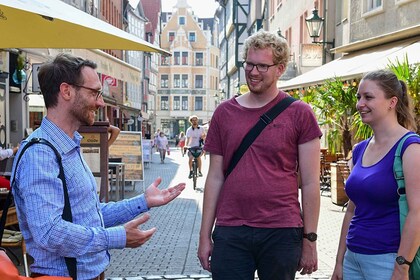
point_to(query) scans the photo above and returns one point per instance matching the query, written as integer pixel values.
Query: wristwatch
(401, 260)
(311, 236)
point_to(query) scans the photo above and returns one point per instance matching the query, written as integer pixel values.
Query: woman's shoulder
(358, 148)
(413, 138)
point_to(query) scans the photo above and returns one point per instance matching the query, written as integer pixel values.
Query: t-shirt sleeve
(307, 122)
(408, 142)
(213, 143)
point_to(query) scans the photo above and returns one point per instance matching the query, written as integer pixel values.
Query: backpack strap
(398, 167)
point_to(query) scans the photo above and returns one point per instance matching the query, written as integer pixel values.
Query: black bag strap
(253, 133)
(71, 263)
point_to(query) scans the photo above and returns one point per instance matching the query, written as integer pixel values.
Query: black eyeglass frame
(98, 92)
(265, 66)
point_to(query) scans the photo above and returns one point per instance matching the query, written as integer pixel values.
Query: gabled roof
(151, 9)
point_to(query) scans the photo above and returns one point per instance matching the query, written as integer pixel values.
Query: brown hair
(65, 68)
(391, 86)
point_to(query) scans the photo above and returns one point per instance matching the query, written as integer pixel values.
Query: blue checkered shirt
(38, 194)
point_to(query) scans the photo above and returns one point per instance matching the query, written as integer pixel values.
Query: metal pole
(324, 34)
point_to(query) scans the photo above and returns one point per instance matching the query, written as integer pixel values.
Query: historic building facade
(188, 81)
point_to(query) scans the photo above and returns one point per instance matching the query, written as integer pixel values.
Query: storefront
(355, 64)
(50, 26)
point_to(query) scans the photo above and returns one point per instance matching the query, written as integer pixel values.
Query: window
(184, 58)
(177, 58)
(191, 36)
(164, 60)
(199, 81)
(185, 103)
(177, 103)
(373, 4)
(199, 59)
(164, 103)
(198, 106)
(372, 7)
(164, 81)
(177, 81)
(181, 20)
(184, 81)
(171, 36)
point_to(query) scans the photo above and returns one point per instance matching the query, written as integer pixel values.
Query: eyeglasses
(248, 66)
(98, 92)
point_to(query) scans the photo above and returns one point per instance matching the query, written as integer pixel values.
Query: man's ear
(65, 91)
(280, 69)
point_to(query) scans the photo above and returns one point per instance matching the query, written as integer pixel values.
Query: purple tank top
(375, 226)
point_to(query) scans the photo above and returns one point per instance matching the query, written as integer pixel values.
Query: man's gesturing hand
(156, 197)
(135, 236)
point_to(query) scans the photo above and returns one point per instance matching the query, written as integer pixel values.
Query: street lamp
(314, 24)
(279, 33)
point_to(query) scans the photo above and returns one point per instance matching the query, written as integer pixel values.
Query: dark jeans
(240, 251)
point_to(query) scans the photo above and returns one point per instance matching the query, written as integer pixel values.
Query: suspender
(71, 263)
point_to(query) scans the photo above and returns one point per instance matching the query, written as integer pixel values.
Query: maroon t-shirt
(262, 190)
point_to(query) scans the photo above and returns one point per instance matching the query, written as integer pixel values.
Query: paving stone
(200, 276)
(173, 248)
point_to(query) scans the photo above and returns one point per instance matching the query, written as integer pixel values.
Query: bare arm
(113, 134)
(309, 166)
(342, 247)
(214, 182)
(410, 237)
(188, 141)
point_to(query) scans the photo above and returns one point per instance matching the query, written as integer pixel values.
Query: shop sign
(311, 55)
(111, 81)
(107, 64)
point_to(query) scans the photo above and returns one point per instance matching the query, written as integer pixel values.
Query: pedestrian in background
(155, 139)
(370, 238)
(259, 225)
(176, 141)
(181, 143)
(162, 146)
(5, 154)
(72, 93)
(113, 133)
(195, 135)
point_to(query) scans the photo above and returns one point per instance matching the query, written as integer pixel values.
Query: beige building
(366, 34)
(188, 81)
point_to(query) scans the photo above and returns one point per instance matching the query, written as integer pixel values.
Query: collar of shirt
(59, 138)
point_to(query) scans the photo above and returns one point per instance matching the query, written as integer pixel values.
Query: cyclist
(195, 134)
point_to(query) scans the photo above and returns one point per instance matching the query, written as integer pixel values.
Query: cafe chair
(14, 239)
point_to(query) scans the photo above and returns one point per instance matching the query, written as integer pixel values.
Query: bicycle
(196, 153)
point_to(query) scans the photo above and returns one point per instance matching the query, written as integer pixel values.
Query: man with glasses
(72, 93)
(259, 225)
